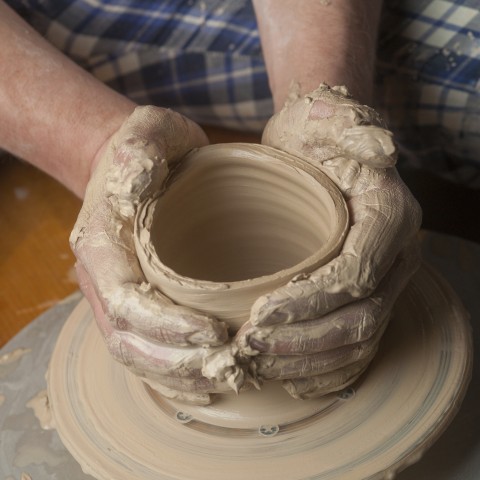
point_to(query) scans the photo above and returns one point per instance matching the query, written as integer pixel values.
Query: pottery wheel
(116, 427)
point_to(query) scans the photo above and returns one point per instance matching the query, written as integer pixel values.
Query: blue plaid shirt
(203, 58)
(429, 84)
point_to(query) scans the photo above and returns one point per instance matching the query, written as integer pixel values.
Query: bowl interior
(236, 218)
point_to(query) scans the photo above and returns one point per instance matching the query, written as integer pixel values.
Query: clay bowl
(234, 222)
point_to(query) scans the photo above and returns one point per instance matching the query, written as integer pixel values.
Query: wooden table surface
(36, 217)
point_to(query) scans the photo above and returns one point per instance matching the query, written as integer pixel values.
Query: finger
(308, 388)
(145, 311)
(190, 398)
(384, 219)
(88, 290)
(369, 145)
(355, 322)
(281, 367)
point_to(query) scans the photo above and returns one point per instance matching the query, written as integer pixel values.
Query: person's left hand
(319, 332)
(172, 347)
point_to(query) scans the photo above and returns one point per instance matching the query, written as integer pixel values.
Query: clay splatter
(13, 356)
(41, 408)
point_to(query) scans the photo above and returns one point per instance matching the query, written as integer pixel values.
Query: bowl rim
(257, 152)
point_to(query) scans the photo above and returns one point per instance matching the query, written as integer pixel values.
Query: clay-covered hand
(319, 332)
(156, 339)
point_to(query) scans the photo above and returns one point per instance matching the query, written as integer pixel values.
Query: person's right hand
(168, 345)
(319, 332)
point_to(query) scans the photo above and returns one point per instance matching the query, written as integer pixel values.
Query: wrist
(99, 141)
(333, 43)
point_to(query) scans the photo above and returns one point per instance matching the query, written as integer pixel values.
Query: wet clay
(41, 408)
(235, 221)
(118, 427)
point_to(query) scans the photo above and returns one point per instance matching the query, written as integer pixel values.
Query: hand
(169, 345)
(319, 332)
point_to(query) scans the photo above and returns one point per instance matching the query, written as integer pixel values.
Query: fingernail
(258, 345)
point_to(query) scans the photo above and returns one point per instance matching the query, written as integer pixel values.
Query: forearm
(53, 114)
(314, 41)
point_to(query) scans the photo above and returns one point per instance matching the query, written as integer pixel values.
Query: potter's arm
(309, 42)
(53, 114)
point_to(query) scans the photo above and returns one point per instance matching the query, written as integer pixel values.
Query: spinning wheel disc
(117, 427)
